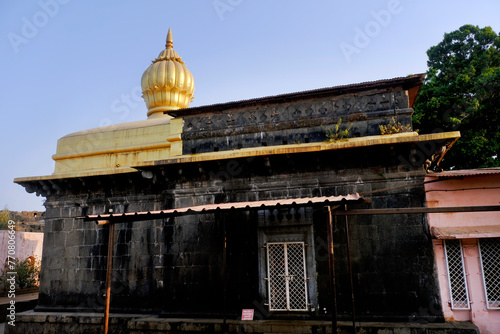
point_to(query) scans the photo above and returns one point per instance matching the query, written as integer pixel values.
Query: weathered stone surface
(178, 266)
(83, 323)
(174, 266)
(302, 121)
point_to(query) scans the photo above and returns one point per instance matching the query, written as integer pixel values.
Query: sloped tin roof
(211, 208)
(465, 173)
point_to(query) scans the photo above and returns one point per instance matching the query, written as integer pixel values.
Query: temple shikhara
(283, 205)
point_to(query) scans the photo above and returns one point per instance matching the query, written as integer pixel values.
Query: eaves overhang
(466, 232)
(447, 139)
(452, 174)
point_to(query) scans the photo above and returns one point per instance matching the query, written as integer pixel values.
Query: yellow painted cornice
(119, 146)
(130, 149)
(77, 174)
(400, 138)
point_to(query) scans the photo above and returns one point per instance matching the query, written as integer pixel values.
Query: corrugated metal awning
(210, 208)
(466, 172)
(466, 232)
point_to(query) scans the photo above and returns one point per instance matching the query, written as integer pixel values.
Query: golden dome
(167, 84)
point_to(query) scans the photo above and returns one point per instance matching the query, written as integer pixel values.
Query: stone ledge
(76, 323)
(367, 141)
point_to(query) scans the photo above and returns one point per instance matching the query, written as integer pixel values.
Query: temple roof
(410, 83)
(167, 84)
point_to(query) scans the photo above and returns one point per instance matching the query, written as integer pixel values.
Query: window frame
(483, 276)
(287, 277)
(453, 302)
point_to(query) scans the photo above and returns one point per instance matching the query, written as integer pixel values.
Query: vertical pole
(108, 275)
(224, 273)
(350, 272)
(331, 267)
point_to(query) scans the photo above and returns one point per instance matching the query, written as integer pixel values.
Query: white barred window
(489, 251)
(457, 281)
(287, 281)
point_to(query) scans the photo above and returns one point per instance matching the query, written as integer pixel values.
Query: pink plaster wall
(468, 191)
(27, 244)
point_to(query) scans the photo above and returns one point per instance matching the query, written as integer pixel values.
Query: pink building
(467, 245)
(27, 244)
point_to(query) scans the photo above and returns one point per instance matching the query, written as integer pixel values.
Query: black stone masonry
(178, 267)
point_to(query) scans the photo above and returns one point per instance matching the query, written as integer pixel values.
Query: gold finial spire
(170, 41)
(167, 84)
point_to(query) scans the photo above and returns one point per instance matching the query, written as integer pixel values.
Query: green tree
(461, 92)
(4, 218)
(28, 273)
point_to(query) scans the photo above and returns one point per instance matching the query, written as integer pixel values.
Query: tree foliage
(461, 92)
(4, 218)
(27, 273)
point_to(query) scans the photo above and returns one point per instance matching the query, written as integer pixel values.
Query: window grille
(489, 251)
(287, 281)
(457, 281)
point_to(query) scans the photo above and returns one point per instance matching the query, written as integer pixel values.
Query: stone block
(89, 236)
(73, 238)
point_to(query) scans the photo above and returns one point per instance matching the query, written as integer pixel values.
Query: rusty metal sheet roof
(209, 208)
(466, 232)
(466, 172)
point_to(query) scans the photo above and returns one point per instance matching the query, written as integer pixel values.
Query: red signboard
(247, 314)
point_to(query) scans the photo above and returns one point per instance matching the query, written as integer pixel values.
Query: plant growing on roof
(394, 127)
(335, 135)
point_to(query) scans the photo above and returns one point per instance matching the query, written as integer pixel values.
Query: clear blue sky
(69, 65)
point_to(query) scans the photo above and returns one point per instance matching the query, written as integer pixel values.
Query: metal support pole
(224, 274)
(331, 267)
(108, 275)
(350, 273)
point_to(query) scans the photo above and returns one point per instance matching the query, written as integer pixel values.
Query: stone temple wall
(177, 266)
(174, 266)
(303, 121)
